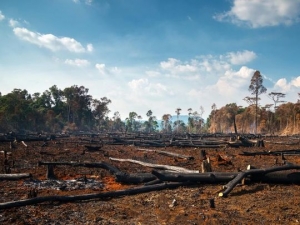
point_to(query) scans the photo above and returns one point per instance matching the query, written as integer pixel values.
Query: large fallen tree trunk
(111, 194)
(134, 178)
(209, 177)
(156, 166)
(16, 176)
(167, 153)
(254, 172)
(284, 152)
(279, 177)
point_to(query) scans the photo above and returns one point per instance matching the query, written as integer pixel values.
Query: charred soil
(254, 203)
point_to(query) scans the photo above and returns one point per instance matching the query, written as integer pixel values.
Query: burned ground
(254, 203)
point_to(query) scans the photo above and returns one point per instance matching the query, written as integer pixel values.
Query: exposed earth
(254, 203)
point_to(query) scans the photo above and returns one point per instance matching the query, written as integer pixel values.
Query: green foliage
(52, 110)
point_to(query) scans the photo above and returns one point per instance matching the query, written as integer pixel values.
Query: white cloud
(262, 13)
(77, 62)
(90, 48)
(2, 17)
(296, 82)
(176, 66)
(282, 85)
(285, 86)
(145, 88)
(13, 23)
(102, 69)
(50, 41)
(204, 65)
(233, 81)
(239, 58)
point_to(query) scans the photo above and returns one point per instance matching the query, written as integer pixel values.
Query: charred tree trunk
(111, 194)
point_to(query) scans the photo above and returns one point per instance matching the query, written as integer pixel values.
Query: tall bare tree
(256, 88)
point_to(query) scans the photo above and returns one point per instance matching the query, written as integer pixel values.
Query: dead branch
(16, 176)
(167, 153)
(156, 166)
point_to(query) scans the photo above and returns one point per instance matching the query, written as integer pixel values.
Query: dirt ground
(256, 203)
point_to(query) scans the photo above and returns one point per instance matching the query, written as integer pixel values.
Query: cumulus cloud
(285, 86)
(50, 41)
(296, 82)
(232, 81)
(282, 84)
(77, 62)
(239, 58)
(258, 13)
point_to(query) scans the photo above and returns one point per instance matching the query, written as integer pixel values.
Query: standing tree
(256, 88)
(117, 122)
(130, 122)
(213, 112)
(177, 111)
(100, 110)
(166, 122)
(276, 96)
(190, 120)
(231, 112)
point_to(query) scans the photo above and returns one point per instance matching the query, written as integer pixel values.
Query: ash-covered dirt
(256, 203)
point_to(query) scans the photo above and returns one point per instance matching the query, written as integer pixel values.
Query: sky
(152, 55)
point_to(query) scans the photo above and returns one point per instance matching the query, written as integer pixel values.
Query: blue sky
(152, 55)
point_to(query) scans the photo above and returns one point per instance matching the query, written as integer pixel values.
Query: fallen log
(16, 176)
(253, 172)
(134, 178)
(72, 198)
(209, 177)
(280, 177)
(93, 148)
(157, 166)
(276, 153)
(168, 153)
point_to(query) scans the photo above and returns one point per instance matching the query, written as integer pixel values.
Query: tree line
(73, 109)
